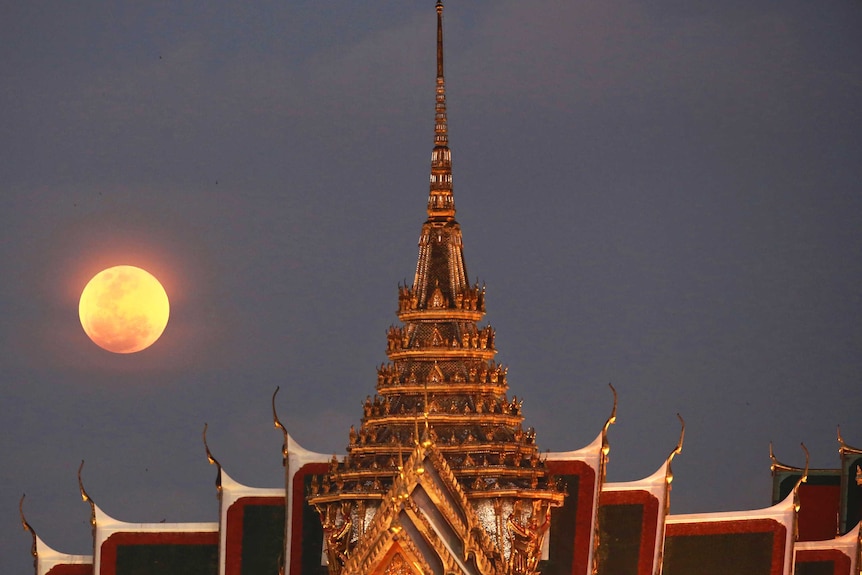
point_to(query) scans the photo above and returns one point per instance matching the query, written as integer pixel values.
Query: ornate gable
(400, 561)
(425, 523)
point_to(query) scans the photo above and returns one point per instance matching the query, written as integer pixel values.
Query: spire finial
(441, 127)
(440, 201)
(439, 38)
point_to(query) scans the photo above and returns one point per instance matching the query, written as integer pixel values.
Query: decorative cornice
(447, 386)
(441, 315)
(448, 418)
(442, 354)
(467, 303)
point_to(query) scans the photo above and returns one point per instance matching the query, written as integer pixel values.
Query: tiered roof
(442, 383)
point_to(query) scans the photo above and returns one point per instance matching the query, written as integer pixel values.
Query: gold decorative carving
(398, 566)
(527, 533)
(336, 521)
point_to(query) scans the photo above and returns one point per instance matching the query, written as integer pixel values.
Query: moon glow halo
(124, 309)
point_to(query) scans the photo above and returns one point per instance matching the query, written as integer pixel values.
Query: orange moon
(124, 309)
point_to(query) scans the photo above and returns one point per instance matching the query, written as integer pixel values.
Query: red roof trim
(586, 508)
(234, 534)
(778, 530)
(296, 515)
(841, 563)
(71, 569)
(108, 562)
(649, 522)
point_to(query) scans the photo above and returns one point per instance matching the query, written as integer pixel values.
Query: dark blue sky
(666, 197)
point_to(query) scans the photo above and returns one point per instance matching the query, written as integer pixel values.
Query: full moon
(124, 309)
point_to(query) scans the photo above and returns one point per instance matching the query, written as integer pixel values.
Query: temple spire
(439, 38)
(441, 204)
(441, 128)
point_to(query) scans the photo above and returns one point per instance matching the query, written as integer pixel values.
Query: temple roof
(443, 388)
(442, 374)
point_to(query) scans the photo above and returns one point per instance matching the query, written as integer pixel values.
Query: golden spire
(441, 203)
(441, 275)
(442, 370)
(441, 129)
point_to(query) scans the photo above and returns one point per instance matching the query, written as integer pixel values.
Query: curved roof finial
(678, 449)
(606, 448)
(212, 460)
(668, 471)
(843, 447)
(802, 479)
(285, 462)
(602, 472)
(85, 496)
(278, 425)
(774, 464)
(33, 549)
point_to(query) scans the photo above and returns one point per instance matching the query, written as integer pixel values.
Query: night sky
(661, 195)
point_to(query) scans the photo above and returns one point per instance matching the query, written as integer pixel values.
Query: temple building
(441, 477)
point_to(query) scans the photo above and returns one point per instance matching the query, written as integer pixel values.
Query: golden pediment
(397, 564)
